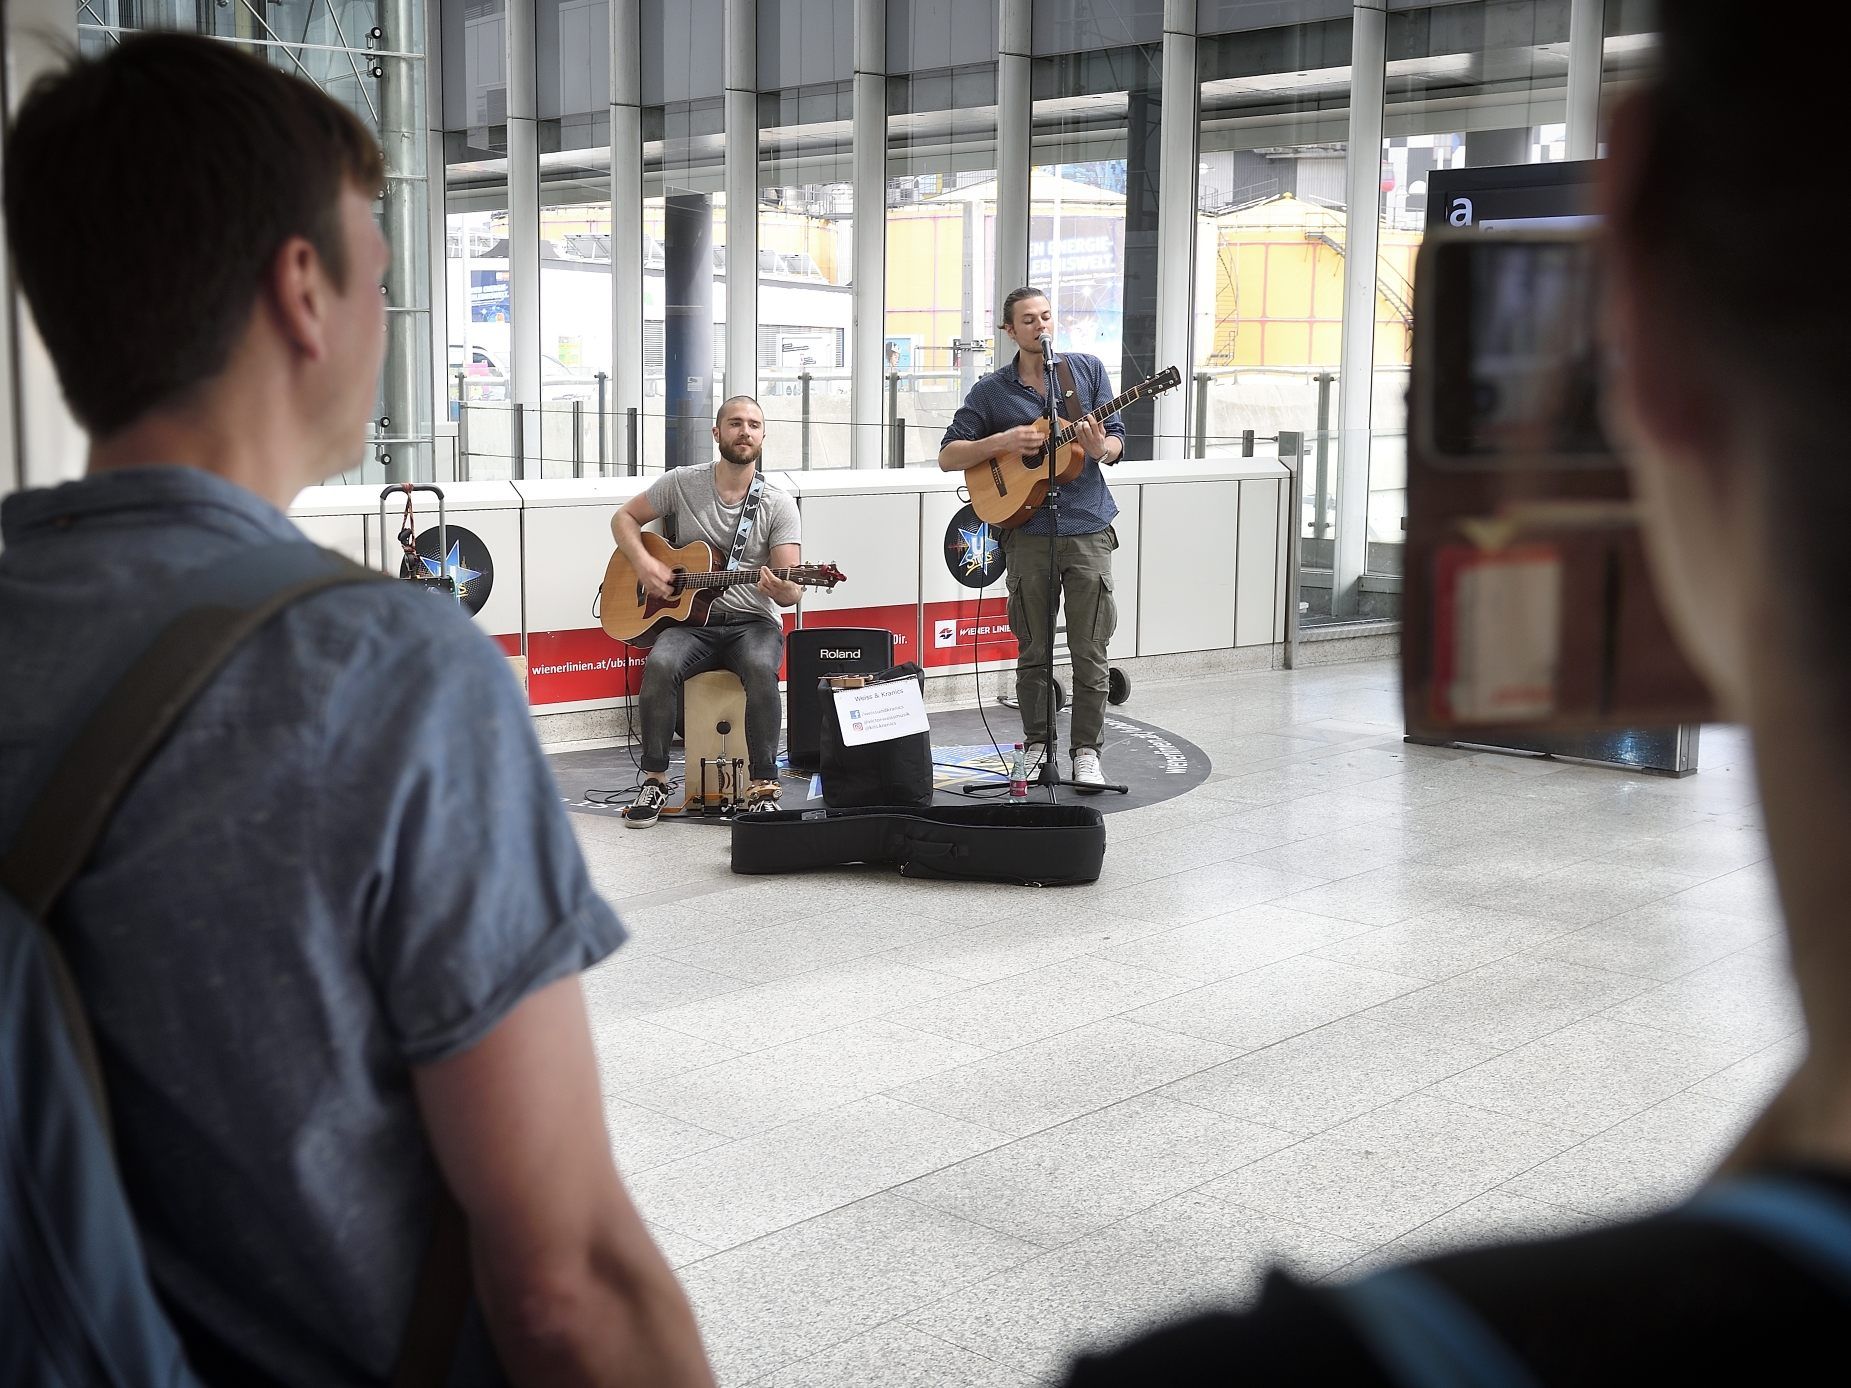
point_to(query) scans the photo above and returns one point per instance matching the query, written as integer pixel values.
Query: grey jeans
(1083, 565)
(751, 649)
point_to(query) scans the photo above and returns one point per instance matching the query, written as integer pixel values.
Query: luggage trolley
(414, 567)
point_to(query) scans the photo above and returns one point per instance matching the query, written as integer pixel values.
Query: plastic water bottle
(1018, 774)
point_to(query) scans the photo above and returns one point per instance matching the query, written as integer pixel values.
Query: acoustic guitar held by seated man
(726, 507)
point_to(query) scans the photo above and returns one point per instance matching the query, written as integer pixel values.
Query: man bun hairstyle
(1027, 291)
(148, 192)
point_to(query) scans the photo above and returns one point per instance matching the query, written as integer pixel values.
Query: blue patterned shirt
(1000, 401)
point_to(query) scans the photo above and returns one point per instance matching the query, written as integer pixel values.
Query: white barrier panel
(1200, 564)
(484, 523)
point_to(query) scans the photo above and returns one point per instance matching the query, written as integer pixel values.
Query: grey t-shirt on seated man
(688, 494)
(348, 859)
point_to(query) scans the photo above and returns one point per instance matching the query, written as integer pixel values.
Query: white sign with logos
(880, 712)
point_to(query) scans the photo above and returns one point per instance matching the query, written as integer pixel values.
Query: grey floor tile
(641, 1138)
(1271, 1003)
(1067, 1181)
(738, 1098)
(1704, 851)
(1365, 1196)
(770, 1014)
(1585, 973)
(1199, 893)
(1510, 1001)
(1337, 1072)
(1491, 1218)
(801, 946)
(805, 1168)
(1001, 949)
(1583, 893)
(1446, 1136)
(1661, 941)
(1387, 895)
(1049, 1082)
(1647, 1162)
(1745, 998)
(1591, 1074)
(1237, 942)
(783, 1298)
(636, 984)
(1317, 859)
(1754, 1082)
(1435, 945)
(897, 1356)
(869, 1056)
(1748, 891)
(1186, 1254)
(1043, 1002)
(633, 1051)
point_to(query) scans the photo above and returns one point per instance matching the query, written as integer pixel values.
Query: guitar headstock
(1167, 379)
(817, 575)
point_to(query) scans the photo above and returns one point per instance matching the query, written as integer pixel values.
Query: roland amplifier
(810, 653)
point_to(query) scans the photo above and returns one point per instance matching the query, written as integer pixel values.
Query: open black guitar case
(1035, 845)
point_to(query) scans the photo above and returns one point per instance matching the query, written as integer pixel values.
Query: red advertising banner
(952, 627)
(564, 667)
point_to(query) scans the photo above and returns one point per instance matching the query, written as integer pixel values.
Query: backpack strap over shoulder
(212, 611)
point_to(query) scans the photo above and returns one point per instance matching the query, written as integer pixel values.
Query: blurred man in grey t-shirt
(742, 632)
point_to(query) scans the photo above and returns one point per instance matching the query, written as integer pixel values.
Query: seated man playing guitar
(1000, 416)
(726, 504)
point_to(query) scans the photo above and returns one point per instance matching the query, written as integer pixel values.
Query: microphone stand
(1049, 775)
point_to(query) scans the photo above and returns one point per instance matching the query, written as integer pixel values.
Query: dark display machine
(1548, 197)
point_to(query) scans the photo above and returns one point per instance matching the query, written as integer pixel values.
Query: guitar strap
(748, 521)
(1069, 397)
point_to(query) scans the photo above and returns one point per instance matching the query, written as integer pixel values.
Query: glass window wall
(806, 265)
(941, 249)
(1270, 202)
(1092, 235)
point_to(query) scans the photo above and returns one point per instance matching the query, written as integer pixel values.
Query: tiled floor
(1351, 1000)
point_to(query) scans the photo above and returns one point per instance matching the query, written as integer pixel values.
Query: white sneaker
(1087, 770)
(1032, 756)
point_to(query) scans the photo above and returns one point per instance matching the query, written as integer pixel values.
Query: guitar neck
(1112, 406)
(728, 578)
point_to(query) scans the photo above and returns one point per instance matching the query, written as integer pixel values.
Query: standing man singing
(719, 502)
(998, 416)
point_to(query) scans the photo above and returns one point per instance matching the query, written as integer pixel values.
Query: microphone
(1045, 340)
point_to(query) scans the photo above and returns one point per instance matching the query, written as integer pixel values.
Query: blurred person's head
(1729, 319)
(193, 229)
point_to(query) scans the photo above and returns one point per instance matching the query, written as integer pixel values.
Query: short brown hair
(751, 400)
(147, 194)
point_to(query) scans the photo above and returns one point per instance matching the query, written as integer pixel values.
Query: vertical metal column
(1586, 29)
(1362, 221)
(1182, 108)
(523, 232)
(43, 441)
(1014, 120)
(741, 197)
(405, 224)
(626, 214)
(867, 357)
(437, 291)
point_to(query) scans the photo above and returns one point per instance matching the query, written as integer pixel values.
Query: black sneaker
(646, 809)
